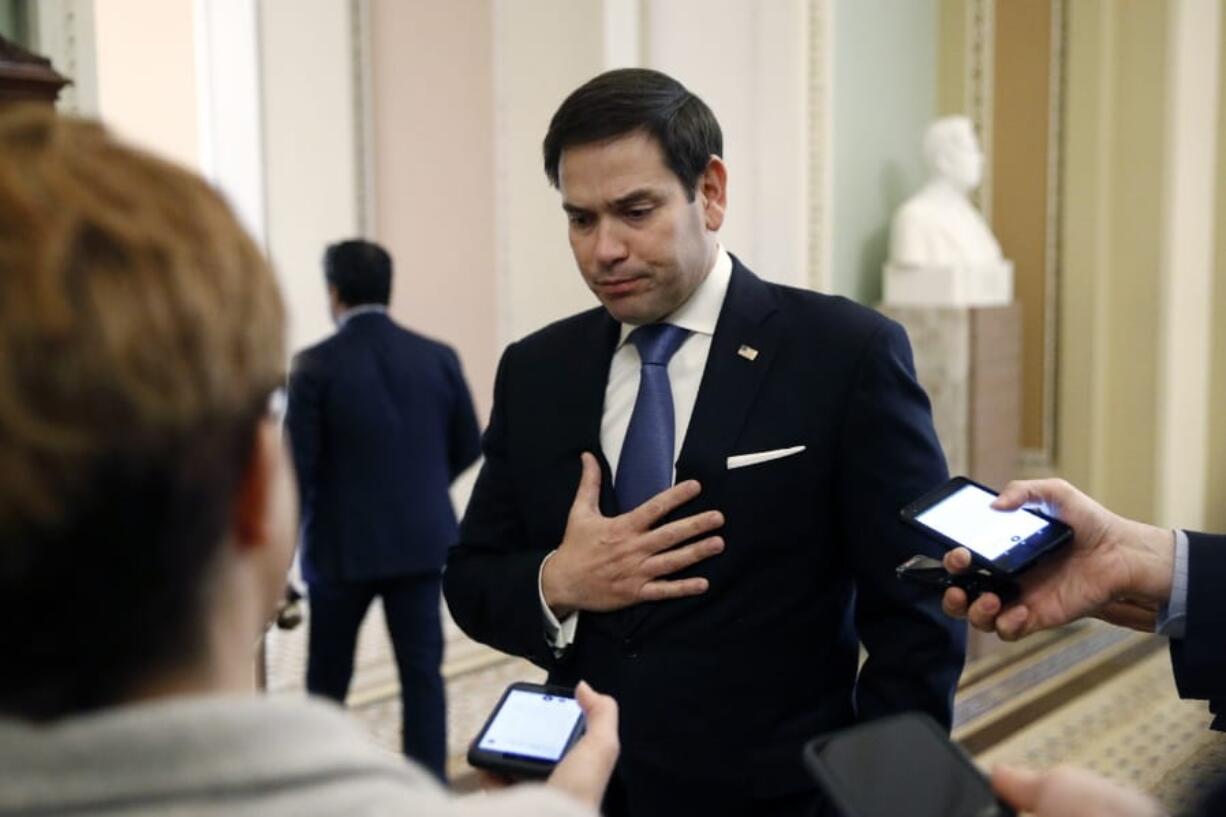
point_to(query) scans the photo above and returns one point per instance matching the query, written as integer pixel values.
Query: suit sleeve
(491, 579)
(1199, 658)
(464, 434)
(889, 456)
(303, 418)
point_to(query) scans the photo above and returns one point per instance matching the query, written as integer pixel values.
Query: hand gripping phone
(529, 731)
(1002, 543)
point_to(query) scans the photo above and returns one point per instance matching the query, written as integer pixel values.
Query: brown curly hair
(141, 332)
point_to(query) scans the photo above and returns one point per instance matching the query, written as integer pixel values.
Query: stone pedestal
(969, 361)
(982, 285)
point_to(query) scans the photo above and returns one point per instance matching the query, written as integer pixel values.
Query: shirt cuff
(1173, 616)
(558, 634)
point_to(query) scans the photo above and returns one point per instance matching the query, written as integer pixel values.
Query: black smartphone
(529, 731)
(902, 764)
(959, 514)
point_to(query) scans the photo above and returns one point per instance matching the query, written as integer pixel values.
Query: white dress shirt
(699, 314)
(364, 309)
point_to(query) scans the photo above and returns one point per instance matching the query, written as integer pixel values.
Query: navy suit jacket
(729, 685)
(1199, 658)
(381, 422)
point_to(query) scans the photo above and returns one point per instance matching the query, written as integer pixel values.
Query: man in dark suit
(1126, 572)
(725, 612)
(381, 423)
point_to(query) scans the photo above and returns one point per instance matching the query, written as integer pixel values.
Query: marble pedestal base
(969, 361)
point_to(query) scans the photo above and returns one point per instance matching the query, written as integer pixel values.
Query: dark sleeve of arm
(1199, 658)
(303, 426)
(889, 456)
(464, 435)
(491, 578)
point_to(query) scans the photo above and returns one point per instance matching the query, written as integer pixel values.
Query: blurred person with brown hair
(147, 512)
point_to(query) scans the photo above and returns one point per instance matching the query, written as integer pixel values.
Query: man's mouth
(621, 285)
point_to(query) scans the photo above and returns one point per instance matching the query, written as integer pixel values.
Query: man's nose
(610, 248)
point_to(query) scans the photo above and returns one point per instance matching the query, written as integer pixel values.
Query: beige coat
(234, 756)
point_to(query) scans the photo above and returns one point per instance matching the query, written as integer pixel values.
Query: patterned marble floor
(1132, 727)
(475, 676)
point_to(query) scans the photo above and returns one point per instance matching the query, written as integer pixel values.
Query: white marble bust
(941, 249)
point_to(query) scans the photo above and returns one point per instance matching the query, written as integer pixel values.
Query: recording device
(529, 731)
(975, 581)
(1001, 543)
(903, 764)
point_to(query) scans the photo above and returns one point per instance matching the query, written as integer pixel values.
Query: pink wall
(433, 108)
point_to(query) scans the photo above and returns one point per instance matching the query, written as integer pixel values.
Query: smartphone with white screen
(960, 514)
(529, 731)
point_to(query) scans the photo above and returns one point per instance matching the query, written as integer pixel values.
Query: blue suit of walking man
(381, 422)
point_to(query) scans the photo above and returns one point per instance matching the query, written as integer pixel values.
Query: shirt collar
(364, 309)
(700, 312)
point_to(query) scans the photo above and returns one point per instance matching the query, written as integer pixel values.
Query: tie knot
(657, 342)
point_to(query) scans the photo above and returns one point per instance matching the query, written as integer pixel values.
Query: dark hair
(360, 270)
(141, 332)
(629, 99)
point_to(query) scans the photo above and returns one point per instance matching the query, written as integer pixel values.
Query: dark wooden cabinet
(27, 77)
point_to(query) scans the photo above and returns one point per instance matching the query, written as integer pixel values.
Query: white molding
(1045, 455)
(503, 290)
(1189, 213)
(819, 32)
(623, 33)
(980, 88)
(63, 30)
(229, 107)
(363, 117)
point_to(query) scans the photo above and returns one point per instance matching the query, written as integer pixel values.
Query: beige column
(759, 88)
(1191, 156)
(146, 74)
(1137, 332)
(537, 281)
(433, 145)
(308, 54)
(1215, 489)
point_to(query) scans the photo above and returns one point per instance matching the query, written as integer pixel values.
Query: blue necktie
(646, 464)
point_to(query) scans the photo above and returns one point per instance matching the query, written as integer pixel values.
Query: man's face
(961, 160)
(642, 246)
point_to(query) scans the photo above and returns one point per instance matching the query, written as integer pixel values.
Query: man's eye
(638, 213)
(579, 219)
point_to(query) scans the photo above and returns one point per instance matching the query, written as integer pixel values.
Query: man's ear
(335, 304)
(713, 193)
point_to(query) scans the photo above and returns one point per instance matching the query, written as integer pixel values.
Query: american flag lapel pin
(747, 352)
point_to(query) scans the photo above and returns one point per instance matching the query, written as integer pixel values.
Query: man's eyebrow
(645, 194)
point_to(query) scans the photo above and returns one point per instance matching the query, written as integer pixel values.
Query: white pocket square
(741, 460)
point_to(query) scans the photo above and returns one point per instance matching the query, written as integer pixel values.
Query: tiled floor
(475, 677)
(1132, 728)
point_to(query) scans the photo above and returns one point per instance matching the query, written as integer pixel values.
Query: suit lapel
(742, 350)
(584, 377)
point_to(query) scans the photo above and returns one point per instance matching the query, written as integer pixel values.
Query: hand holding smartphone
(1004, 543)
(528, 732)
